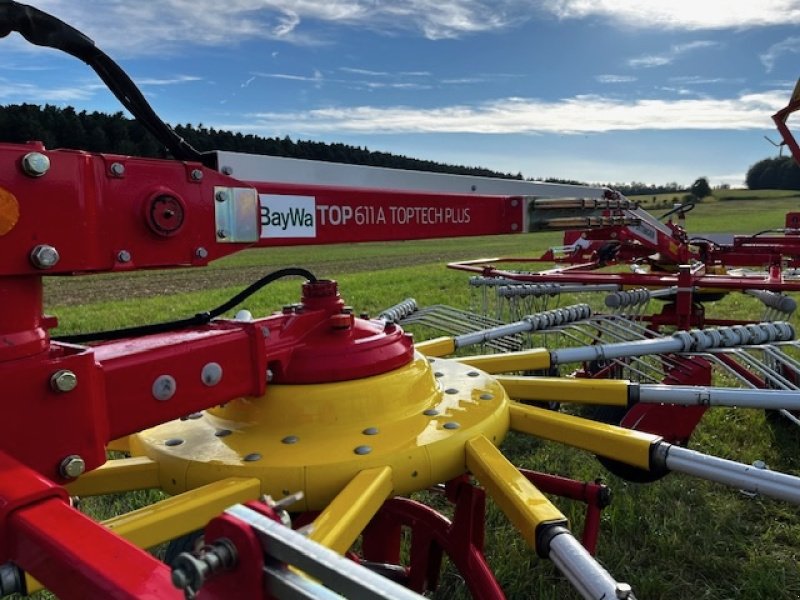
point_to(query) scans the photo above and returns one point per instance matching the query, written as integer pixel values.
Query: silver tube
(735, 474)
(542, 320)
(588, 576)
(774, 300)
(717, 396)
(682, 341)
(336, 572)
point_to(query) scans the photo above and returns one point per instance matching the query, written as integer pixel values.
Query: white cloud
(675, 52)
(128, 28)
(683, 14)
(790, 45)
(173, 81)
(579, 114)
(11, 92)
(614, 78)
(132, 28)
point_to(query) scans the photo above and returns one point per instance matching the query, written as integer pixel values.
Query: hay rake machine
(293, 441)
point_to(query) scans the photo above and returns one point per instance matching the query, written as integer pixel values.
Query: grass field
(677, 538)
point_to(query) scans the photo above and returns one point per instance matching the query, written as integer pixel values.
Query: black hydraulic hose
(194, 321)
(43, 29)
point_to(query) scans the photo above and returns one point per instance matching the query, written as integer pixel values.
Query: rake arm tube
(735, 474)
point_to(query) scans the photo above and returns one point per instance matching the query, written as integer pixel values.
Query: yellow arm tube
(441, 346)
(120, 475)
(527, 360)
(524, 505)
(343, 520)
(625, 445)
(606, 392)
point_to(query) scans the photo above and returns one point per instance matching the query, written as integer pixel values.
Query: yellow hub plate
(316, 438)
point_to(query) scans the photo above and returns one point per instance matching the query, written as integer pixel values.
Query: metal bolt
(201, 252)
(196, 175)
(44, 256)
(222, 234)
(164, 387)
(211, 374)
(430, 412)
(290, 439)
(35, 164)
(117, 169)
(221, 196)
(252, 457)
(124, 256)
(227, 170)
(451, 425)
(370, 431)
(362, 450)
(63, 381)
(73, 466)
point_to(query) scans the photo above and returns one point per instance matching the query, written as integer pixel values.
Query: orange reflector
(9, 211)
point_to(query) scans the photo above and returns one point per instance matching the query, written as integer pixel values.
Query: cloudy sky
(594, 90)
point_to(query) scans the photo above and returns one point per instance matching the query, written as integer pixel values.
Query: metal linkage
(735, 474)
(682, 341)
(337, 575)
(538, 322)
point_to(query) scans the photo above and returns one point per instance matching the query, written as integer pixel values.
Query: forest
(59, 127)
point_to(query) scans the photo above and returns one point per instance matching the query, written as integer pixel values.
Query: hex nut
(63, 381)
(72, 466)
(44, 256)
(35, 164)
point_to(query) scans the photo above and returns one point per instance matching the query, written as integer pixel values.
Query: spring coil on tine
(399, 311)
(558, 316)
(623, 299)
(535, 290)
(738, 335)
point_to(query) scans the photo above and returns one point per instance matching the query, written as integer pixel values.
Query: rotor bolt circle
(35, 164)
(44, 256)
(72, 466)
(63, 381)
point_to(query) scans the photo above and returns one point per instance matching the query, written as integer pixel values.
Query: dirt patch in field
(72, 291)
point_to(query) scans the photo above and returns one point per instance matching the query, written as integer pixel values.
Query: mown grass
(677, 538)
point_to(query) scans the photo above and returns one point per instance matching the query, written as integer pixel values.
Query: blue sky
(594, 90)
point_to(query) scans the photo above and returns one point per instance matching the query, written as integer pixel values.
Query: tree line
(116, 134)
